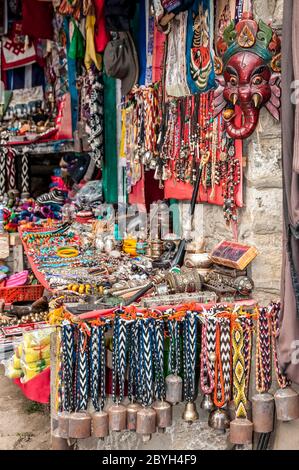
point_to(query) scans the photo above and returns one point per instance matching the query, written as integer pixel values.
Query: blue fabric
(142, 42)
(192, 14)
(71, 78)
(16, 77)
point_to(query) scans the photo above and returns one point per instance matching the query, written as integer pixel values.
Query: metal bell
(117, 417)
(146, 423)
(174, 389)
(232, 410)
(263, 412)
(80, 425)
(63, 424)
(287, 404)
(241, 430)
(164, 414)
(207, 403)
(190, 413)
(100, 424)
(58, 443)
(219, 419)
(132, 410)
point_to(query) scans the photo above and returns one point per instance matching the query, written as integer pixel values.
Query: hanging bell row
(133, 417)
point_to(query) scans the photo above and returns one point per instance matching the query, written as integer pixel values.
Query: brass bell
(207, 403)
(263, 412)
(59, 443)
(174, 389)
(146, 423)
(163, 410)
(100, 424)
(241, 430)
(79, 425)
(219, 419)
(287, 404)
(117, 417)
(132, 410)
(63, 424)
(190, 413)
(232, 410)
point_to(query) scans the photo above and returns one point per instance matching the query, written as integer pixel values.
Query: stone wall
(260, 220)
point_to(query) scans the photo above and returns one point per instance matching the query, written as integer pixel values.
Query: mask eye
(257, 80)
(233, 81)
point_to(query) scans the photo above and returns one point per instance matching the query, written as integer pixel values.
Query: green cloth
(110, 162)
(77, 45)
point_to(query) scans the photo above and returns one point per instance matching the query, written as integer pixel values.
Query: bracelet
(67, 252)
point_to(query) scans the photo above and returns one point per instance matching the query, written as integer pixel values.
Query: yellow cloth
(90, 52)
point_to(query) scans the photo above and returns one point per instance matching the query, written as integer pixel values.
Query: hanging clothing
(110, 162)
(37, 19)
(101, 36)
(118, 14)
(176, 77)
(289, 321)
(91, 56)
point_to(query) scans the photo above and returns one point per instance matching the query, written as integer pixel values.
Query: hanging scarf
(176, 84)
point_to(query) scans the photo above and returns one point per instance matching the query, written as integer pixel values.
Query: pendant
(190, 413)
(287, 404)
(174, 389)
(164, 414)
(263, 412)
(100, 424)
(80, 425)
(117, 418)
(146, 423)
(132, 410)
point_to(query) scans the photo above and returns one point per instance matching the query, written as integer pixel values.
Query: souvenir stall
(121, 311)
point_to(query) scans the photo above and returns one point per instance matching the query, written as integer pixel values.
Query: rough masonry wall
(260, 221)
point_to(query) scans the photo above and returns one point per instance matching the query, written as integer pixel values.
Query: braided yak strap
(239, 382)
(206, 377)
(82, 369)
(68, 352)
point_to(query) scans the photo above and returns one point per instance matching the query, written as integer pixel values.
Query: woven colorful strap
(239, 381)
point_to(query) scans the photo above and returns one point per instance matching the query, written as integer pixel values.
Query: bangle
(67, 252)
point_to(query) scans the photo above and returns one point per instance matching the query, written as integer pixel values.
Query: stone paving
(21, 427)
